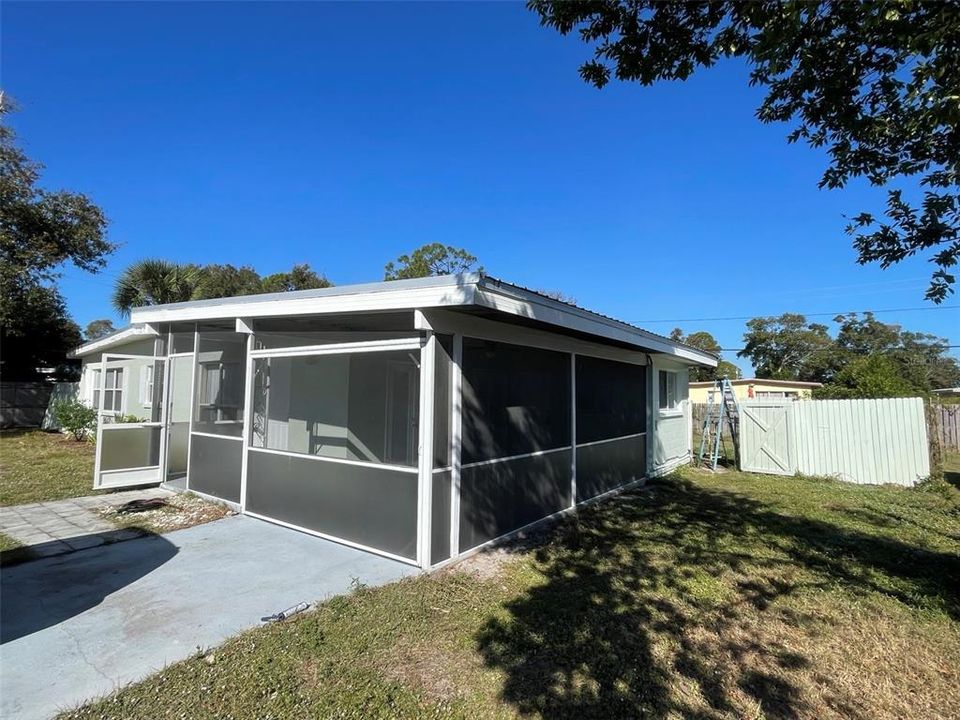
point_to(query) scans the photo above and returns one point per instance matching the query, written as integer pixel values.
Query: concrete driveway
(78, 626)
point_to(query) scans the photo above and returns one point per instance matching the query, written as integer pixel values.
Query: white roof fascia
(515, 301)
(118, 338)
(374, 297)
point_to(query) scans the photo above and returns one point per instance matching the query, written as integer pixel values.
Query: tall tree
(97, 329)
(154, 282)
(215, 281)
(869, 376)
(702, 340)
(920, 360)
(875, 83)
(431, 259)
(786, 347)
(40, 231)
(37, 331)
(300, 277)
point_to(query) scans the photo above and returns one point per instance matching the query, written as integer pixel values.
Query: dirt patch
(165, 514)
(433, 669)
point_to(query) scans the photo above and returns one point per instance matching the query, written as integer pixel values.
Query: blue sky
(346, 134)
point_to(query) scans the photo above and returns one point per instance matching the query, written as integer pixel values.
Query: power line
(861, 350)
(817, 314)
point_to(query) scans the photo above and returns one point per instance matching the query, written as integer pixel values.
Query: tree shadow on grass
(654, 604)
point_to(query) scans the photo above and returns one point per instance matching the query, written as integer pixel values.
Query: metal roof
(446, 291)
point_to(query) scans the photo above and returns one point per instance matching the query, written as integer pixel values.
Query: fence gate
(766, 438)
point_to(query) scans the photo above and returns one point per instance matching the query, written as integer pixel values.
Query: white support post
(428, 364)
(573, 429)
(247, 420)
(99, 448)
(456, 442)
(195, 370)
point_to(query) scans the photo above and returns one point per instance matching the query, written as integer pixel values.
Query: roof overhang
(120, 337)
(449, 291)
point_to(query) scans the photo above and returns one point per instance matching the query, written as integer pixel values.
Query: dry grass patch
(708, 596)
(36, 466)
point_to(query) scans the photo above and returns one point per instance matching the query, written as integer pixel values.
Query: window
(221, 393)
(113, 390)
(146, 386)
(95, 388)
(778, 394)
(668, 390)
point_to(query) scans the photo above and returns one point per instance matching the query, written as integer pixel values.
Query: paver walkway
(62, 526)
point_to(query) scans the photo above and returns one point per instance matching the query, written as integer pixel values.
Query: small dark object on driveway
(137, 506)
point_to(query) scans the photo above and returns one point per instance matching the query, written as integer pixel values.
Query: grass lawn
(709, 596)
(37, 466)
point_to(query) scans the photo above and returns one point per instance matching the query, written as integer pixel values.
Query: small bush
(75, 417)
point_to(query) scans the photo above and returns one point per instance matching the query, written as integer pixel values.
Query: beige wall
(699, 394)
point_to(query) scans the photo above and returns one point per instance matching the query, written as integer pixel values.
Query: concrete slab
(78, 626)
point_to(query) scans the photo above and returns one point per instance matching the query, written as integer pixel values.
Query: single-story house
(756, 389)
(419, 419)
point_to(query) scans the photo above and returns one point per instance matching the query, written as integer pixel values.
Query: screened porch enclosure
(415, 443)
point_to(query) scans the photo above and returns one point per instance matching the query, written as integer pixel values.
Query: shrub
(75, 417)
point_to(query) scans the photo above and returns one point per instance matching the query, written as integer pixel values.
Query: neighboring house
(757, 389)
(418, 419)
(947, 392)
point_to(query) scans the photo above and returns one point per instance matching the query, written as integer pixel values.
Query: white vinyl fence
(859, 441)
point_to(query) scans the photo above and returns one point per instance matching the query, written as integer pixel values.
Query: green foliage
(301, 277)
(36, 330)
(98, 328)
(39, 232)
(703, 340)
(431, 259)
(868, 358)
(77, 418)
(875, 84)
(216, 281)
(784, 347)
(873, 376)
(156, 282)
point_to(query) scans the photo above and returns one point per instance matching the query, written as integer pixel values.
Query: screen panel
(221, 369)
(128, 447)
(607, 465)
(516, 400)
(215, 466)
(372, 506)
(497, 498)
(611, 399)
(284, 332)
(349, 406)
(440, 517)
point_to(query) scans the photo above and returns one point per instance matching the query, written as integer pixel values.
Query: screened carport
(413, 419)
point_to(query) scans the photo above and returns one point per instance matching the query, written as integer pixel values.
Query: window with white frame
(668, 390)
(146, 386)
(94, 387)
(221, 391)
(113, 390)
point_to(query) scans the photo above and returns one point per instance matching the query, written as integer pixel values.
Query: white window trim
(674, 408)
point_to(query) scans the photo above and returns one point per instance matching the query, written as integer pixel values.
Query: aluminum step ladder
(722, 407)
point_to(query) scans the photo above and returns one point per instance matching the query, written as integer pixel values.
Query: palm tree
(154, 282)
